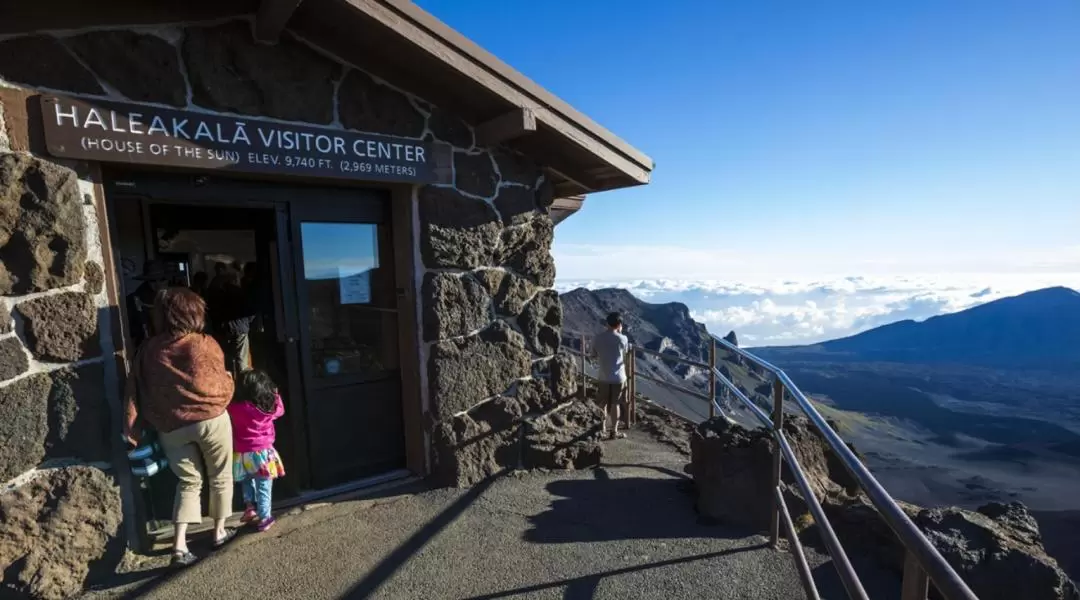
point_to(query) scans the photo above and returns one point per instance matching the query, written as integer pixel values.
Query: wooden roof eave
(570, 131)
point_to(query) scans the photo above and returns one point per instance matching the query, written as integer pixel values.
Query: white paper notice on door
(355, 287)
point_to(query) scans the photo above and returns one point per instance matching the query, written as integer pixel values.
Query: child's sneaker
(266, 523)
(249, 515)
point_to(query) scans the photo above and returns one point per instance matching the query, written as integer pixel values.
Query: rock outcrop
(997, 549)
(60, 533)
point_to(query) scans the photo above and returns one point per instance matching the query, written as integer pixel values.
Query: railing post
(778, 428)
(633, 384)
(712, 378)
(916, 581)
(584, 391)
(630, 407)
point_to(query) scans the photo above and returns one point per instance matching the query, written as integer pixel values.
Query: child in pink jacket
(255, 405)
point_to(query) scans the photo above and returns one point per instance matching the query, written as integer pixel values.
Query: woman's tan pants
(195, 451)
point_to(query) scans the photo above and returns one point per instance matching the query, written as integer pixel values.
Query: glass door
(348, 339)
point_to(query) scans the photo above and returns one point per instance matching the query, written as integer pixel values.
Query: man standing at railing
(609, 348)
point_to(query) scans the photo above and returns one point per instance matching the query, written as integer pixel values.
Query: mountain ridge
(1037, 328)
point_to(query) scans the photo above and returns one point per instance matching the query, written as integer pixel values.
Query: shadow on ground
(608, 508)
(625, 530)
(140, 582)
(585, 588)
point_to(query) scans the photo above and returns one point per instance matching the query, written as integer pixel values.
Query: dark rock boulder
(78, 414)
(526, 250)
(42, 228)
(565, 439)
(998, 551)
(666, 426)
(95, 278)
(456, 232)
(509, 292)
(541, 322)
(366, 105)
(6, 324)
(731, 338)
(687, 371)
(662, 344)
(24, 424)
(454, 305)
(463, 372)
(450, 129)
(231, 72)
(58, 533)
(61, 327)
(475, 174)
(13, 361)
(143, 67)
(515, 204)
(731, 466)
(41, 60)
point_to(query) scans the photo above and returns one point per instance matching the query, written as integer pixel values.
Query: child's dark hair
(256, 387)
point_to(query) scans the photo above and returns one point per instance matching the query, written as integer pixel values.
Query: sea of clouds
(789, 312)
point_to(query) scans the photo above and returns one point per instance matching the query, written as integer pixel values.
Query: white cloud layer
(784, 312)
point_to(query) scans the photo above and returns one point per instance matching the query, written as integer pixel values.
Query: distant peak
(1057, 291)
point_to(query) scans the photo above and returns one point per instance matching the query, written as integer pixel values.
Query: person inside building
(231, 314)
(140, 303)
(199, 283)
(610, 348)
(179, 388)
(219, 276)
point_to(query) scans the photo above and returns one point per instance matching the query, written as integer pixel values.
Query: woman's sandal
(230, 533)
(183, 559)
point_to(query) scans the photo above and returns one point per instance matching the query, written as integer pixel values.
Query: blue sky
(832, 138)
(821, 167)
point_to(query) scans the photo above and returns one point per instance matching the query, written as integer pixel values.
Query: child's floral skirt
(261, 464)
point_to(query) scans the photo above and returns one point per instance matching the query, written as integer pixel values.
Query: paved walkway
(626, 530)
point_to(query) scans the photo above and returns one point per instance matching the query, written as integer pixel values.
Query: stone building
(393, 186)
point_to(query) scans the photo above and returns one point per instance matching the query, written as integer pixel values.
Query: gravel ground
(625, 530)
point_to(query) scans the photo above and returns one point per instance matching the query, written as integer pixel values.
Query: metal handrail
(926, 556)
(922, 563)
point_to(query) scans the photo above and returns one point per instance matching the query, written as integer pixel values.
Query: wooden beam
(272, 17)
(515, 123)
(562, 208)
(569, 188)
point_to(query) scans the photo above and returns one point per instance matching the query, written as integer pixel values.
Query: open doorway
(323, 267)
(229, 256)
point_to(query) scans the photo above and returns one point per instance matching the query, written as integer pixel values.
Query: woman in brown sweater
(179, 386)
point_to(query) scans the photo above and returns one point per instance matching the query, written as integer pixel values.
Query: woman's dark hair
(179, 311)
(256, 387)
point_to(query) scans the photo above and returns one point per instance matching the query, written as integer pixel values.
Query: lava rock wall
(60, 508)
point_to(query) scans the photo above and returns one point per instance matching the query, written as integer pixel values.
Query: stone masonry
(489, 320)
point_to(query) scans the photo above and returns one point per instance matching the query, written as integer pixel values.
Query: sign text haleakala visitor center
(139, 134)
